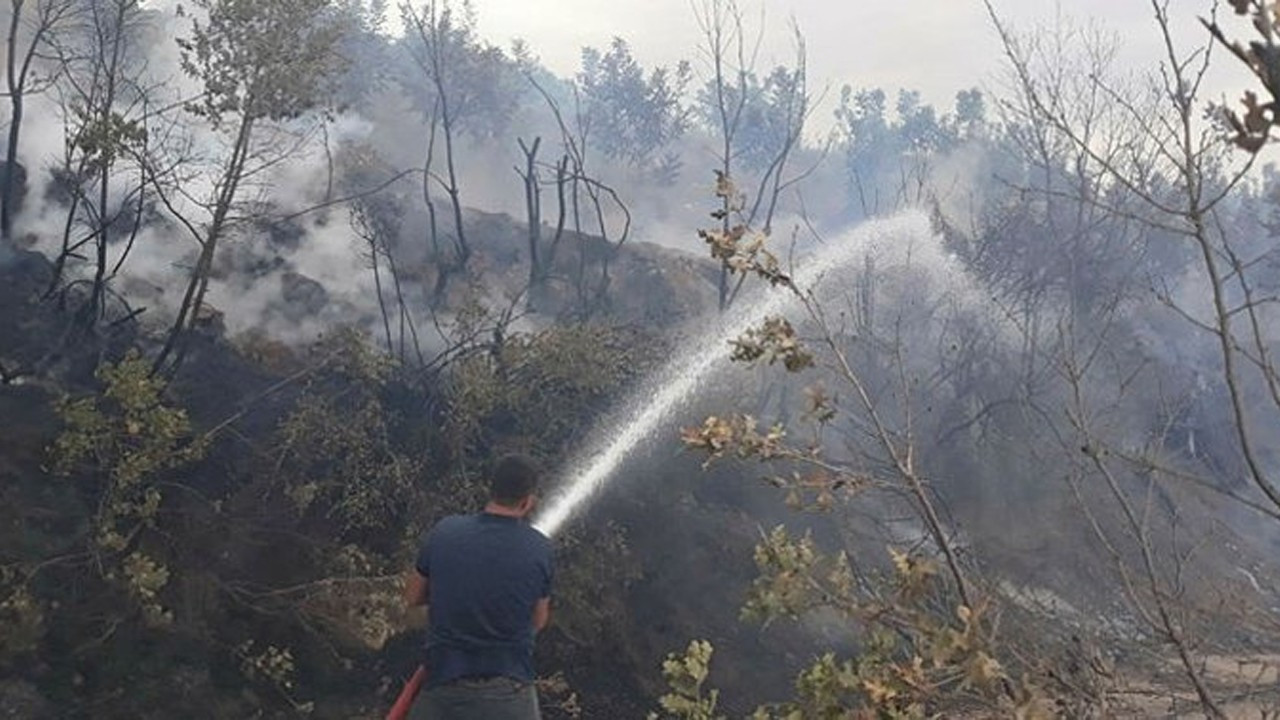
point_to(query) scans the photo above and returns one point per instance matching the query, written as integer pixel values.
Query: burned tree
(541, 259)
(577, 184)
(533, 208)
(461, 85)
(33, 29)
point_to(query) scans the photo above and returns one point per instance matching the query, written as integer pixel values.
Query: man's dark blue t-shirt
(485, 574)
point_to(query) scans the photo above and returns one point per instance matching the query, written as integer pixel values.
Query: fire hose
(400, 711)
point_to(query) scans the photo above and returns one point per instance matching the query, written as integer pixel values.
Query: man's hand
(415, 589)
(541, 614)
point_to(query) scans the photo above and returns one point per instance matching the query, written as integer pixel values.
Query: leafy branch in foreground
(1252, 130)
(686, 675)
(915, 660)
(131, 437)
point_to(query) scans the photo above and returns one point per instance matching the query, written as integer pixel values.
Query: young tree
(105, 99)
(766, 117)
(764, 123)
(265, 65)
(377, 223)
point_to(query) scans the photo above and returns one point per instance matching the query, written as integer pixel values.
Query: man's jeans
(488, 699)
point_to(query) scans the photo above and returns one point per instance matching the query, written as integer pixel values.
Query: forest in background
(278, 283)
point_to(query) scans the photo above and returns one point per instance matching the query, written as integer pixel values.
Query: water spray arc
(651, 408)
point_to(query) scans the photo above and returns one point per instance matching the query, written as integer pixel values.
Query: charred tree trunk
(17, 81)
(49, 14)
(562, 214)
(533, 211)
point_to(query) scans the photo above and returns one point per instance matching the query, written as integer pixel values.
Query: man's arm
(541, 614)
(415, 588)
(542, 608)
(416, 581)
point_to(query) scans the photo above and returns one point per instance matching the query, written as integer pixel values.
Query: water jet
(651, 408)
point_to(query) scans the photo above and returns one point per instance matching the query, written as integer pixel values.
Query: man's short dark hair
(514, 478)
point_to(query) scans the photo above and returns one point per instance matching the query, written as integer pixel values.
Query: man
(486, 582)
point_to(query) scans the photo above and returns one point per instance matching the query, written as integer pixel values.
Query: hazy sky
(935, 46)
